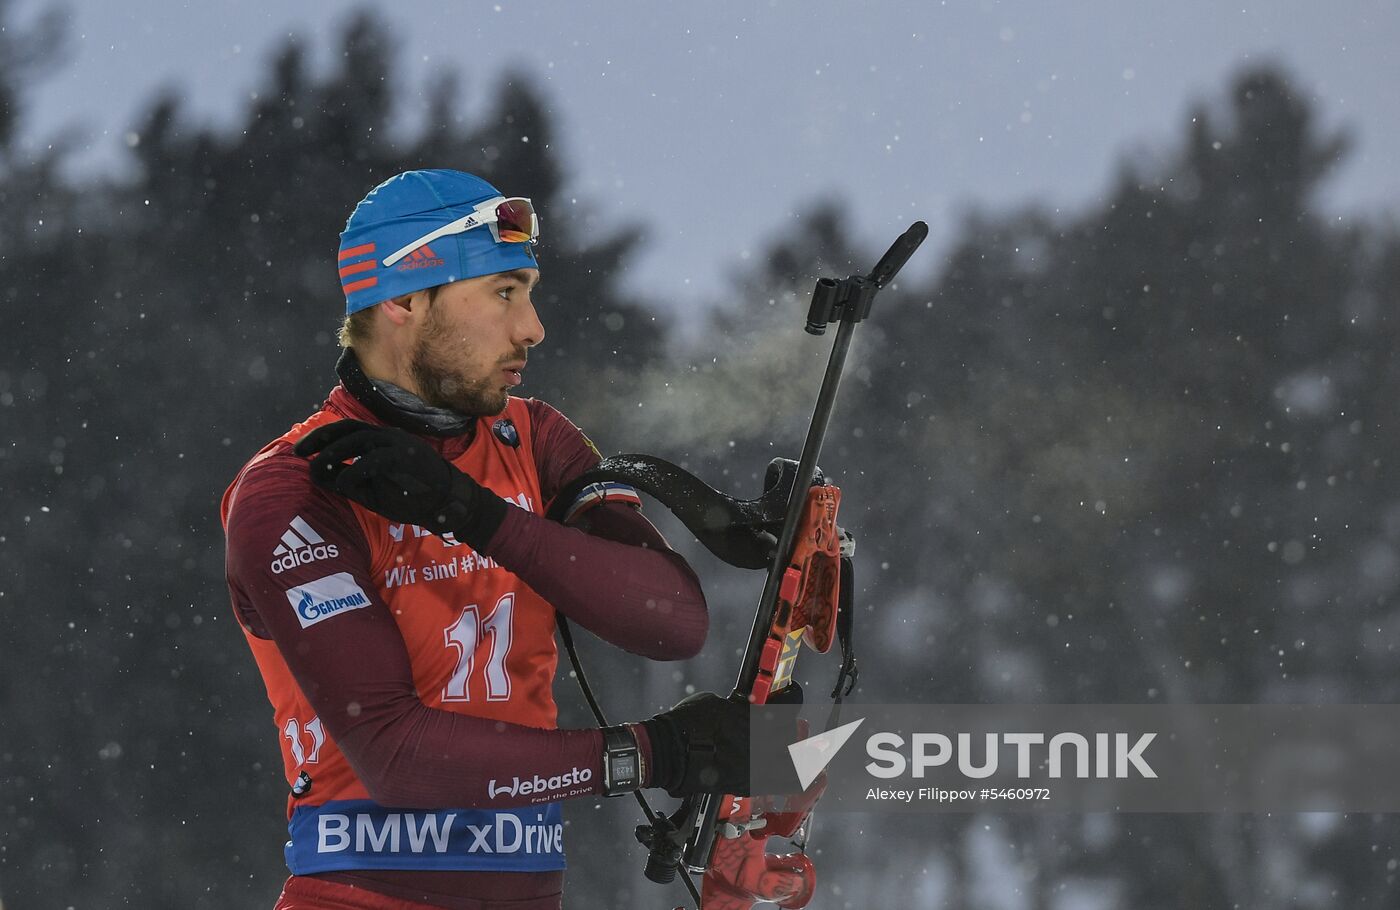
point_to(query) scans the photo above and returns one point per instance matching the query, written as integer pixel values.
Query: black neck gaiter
(396, 406)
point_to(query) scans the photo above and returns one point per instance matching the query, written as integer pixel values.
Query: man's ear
(403, 310)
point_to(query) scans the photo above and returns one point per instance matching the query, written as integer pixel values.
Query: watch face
(624, 767)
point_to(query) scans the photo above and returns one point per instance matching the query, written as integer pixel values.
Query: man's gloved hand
(701, 746)
(401, 477)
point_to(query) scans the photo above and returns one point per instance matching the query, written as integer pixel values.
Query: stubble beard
(441, 383)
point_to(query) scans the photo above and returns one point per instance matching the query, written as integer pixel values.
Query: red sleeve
(620, 580)
(354, 667)
(562, 452)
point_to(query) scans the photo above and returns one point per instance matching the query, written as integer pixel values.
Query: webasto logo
(303, 556)
(539, 784)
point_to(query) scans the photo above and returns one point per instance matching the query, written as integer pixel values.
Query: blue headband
(409, 206)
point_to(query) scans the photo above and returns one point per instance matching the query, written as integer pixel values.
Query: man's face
(473, 340)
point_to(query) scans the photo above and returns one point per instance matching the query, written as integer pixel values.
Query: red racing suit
(411, 677)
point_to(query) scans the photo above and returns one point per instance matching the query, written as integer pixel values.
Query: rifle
(806, 597)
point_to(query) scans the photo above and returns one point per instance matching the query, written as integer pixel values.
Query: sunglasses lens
(515, 221)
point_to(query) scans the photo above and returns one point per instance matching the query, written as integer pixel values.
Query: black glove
(401, 477)
(701, 746)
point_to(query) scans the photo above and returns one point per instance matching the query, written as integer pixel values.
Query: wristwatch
(622, 761)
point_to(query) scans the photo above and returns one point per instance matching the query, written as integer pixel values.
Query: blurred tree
(165, 326)
(25, 54)
(1135, 455)
(1154, 443)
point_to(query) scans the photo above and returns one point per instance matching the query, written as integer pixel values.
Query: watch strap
(622, 761)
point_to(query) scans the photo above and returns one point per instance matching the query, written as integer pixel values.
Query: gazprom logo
(325, 597)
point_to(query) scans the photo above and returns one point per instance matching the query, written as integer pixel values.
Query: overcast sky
(713, 123)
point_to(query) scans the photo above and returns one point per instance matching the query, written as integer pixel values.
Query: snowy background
(1124, 432)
